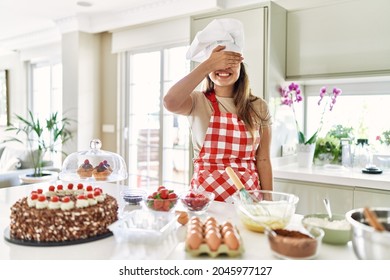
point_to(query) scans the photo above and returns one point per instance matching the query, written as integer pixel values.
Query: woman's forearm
(177, 99)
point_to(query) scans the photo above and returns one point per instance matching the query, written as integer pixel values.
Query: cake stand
(95, 156)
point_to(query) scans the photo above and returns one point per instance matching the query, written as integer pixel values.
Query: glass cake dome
(93, 165)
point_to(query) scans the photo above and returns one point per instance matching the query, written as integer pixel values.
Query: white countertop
(333, 174)
(255, 244)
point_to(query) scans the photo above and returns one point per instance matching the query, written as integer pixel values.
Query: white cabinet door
(311, 196)
(371, 198)
(347, 38)
(253, 22)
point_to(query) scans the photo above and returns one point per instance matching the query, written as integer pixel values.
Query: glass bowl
(162, 200)
(292, 244)
(197, 202)
(272, 209)
(158, 204)
(133, 196)
(337, 232)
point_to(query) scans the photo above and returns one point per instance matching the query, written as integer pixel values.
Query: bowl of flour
(337, 231)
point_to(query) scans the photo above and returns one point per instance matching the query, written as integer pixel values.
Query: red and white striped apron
(227, 143)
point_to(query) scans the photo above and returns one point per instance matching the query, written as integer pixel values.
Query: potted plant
(291, 95)
(328, 149)
(41, 138)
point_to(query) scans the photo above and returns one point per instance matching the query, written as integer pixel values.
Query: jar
(346, 153)
(362, 154)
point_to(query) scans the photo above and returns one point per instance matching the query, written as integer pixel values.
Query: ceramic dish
(337, 232)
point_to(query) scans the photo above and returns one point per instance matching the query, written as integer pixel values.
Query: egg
(226, 230)
(213, 240)
(196, 227)
(225, 227)
(194, 239)
(210, 226)
(183, 219)
(210, 220)
(195, 220)
(227, 224)
(231, 240)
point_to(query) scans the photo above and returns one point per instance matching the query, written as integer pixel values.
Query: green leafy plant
(328, 149)
(41, 138)
(384, 138)
(339, 131)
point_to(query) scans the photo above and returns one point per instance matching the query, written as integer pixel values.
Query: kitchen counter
(333, 174)
(255, 244)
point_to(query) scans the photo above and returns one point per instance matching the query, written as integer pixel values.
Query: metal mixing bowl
(368, 243)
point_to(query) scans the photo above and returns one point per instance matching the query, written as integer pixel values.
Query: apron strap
(213, 99)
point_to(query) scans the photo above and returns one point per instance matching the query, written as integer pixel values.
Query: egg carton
(223, 249)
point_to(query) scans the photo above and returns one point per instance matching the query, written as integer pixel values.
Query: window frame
(125, 93)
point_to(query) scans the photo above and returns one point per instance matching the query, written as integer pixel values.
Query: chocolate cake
(61, 214)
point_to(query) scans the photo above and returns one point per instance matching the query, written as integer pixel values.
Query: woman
(230, 126)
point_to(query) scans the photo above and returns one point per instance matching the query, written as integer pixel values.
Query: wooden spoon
(372, 219)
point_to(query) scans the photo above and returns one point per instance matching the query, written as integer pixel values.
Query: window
(3, 98)
(362, 106)
(158, 141)
(46, 95)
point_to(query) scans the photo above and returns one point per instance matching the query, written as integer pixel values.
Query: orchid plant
(292, 94)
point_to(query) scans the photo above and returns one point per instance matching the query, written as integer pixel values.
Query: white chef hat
(227, 32)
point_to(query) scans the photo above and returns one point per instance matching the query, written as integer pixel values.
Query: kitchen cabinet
(371, 198)
(342, 198)
(350, 38)
(311, 196)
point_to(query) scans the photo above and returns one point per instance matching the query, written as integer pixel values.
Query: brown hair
(243, 99)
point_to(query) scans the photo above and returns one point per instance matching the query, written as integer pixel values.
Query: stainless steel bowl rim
(359, 225)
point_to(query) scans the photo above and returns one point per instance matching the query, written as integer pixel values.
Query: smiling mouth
(223, 74)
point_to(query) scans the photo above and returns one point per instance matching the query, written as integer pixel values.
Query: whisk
(245, 196)
(251, 203)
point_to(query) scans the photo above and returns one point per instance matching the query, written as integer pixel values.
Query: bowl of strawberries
(197, 202)
(162, 199)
